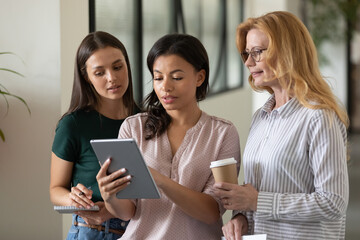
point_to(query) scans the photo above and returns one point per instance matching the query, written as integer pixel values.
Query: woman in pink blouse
(178, 142)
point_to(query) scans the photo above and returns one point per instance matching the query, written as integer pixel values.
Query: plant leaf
(12, 71)
(15, 96)
(2, 86)
(7, 53)
(7, 102)
(2, 135)
(11, 53)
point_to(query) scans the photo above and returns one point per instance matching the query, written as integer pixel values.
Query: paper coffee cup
(225, 170)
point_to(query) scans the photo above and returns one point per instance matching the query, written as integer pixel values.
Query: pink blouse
(209, 140)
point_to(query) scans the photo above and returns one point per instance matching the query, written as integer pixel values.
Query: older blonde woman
(295, 156)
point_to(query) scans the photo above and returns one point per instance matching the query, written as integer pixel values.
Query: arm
(60, 185)
(327, 158)
(204, 205)
(327, 200)
(60, 193)
(198, 205)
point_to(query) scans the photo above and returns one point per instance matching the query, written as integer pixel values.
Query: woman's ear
(200, 77)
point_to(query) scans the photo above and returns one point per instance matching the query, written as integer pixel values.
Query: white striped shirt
(296, 158)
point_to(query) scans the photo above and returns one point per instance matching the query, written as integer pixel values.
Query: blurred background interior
(44, 35)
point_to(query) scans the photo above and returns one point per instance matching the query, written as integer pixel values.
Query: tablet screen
(126, 154)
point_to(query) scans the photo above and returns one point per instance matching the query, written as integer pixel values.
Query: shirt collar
(284, 111)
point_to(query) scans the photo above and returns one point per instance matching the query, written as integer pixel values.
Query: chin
(259, 83)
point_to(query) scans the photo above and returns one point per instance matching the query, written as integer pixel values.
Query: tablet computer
(124, 153)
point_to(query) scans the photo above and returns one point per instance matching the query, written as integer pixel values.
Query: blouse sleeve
(230, 147)
(66, 141)
(125, 130)
(327, 143)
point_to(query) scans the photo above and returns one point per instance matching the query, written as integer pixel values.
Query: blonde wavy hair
(292, 57)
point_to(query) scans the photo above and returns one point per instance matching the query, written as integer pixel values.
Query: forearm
(60, 196)
(301, 207)
(198, 205)
(121, 208)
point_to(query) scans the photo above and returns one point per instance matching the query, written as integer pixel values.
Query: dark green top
(72, 143)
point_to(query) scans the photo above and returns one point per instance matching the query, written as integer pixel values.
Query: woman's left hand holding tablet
(109, 185)
(81, 196)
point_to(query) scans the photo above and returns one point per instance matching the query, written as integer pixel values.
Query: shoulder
(220, 132)
(136, 119)
(133, 126)
(67, 120)
(220, 121)
(325, 117)
(217, 122)
(326, 121)
(77, 117)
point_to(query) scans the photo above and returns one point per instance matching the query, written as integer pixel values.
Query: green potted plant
(5, 93)
(331, 21)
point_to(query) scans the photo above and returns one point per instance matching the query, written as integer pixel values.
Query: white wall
(31, 30)
(335, 71)
(74, 22)
(235, 106)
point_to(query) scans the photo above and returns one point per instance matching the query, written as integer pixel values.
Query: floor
(353, 212)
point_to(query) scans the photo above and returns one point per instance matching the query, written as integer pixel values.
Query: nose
(111, 76)
(167, 85)
(249, 61)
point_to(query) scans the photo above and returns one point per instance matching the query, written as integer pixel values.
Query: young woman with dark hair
(178, 142)
(101, 99)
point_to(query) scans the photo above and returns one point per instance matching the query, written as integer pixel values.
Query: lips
(255, 74)
(113, 88)
(168, 99)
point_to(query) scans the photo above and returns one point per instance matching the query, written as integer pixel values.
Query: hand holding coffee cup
(225, 170)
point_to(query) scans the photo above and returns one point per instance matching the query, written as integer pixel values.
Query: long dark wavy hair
(190, 49)
(84, 96)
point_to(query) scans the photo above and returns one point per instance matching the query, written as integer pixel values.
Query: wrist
(159, 179)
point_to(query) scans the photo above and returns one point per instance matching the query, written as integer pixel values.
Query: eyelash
(174, 78)
(99, 74)
(116, 68)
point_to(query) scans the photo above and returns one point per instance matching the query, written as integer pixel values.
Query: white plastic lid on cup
(223, 162)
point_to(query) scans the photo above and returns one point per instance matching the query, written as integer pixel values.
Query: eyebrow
(116, 61)
(174, 71)
(246, 49)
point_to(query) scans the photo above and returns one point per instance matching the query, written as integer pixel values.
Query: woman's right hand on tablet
(109, 185)
(81, 196)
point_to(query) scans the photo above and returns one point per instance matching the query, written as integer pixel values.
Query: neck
(113, 109)
(281, 97)
(185, 118)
